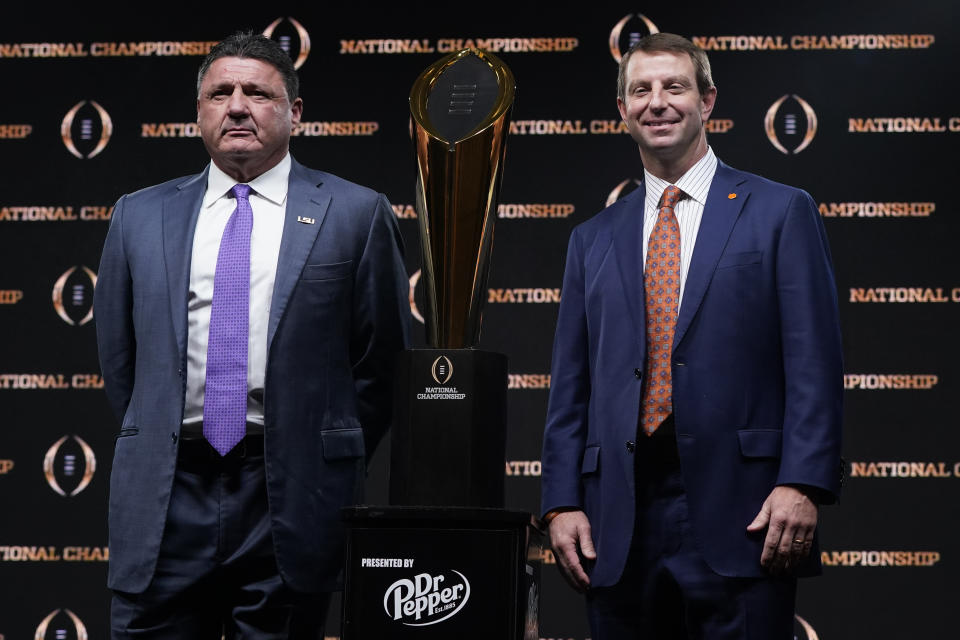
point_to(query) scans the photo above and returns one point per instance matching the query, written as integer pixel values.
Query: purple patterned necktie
(225, 396)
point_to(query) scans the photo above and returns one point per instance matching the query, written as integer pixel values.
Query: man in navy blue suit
(247, 319)
(695, 406)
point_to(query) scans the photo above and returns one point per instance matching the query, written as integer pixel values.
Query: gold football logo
(79, 309)
(68, 466)
(285, 41)
(643, 26)
(78, 626)
(86, 135)
(789, 124)
(442, 370)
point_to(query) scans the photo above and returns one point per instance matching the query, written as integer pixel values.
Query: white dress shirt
(695, 184)
(268, 199)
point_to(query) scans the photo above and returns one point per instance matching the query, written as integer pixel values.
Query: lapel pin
(305, 220)
(731, 196)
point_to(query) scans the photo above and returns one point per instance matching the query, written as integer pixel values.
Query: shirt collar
(692, 183)
(271, 185)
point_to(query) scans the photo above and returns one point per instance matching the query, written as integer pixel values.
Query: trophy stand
(448, 442)
(446, 560)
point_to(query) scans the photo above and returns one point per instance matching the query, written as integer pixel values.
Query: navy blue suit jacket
(757, 371)
(339, 315)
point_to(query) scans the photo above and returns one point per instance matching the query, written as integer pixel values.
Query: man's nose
(657, 99)
(237, 103)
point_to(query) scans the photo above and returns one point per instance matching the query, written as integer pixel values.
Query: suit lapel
(180, 212)
(308, 199)
(627, 228)
(719, 215)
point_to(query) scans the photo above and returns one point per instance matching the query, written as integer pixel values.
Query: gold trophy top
(460, 107)
(424, 87)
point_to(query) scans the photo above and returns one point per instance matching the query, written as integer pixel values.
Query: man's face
(663, 108)
(245, 116)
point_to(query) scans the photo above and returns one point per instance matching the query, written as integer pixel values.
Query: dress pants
(667, 590)
(216, 574)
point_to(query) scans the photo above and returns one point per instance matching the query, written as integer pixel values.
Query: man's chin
(238, 149)
(659, 143)
(237, 141)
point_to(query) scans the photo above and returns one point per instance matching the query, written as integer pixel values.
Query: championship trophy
(407, 575)
(449, 436)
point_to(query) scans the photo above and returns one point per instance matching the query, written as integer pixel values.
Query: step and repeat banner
(855, 103)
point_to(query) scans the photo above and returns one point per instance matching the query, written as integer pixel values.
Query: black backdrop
(869, 92)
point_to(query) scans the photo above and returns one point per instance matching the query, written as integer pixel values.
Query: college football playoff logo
(628, 31)
(86, 129)
(441, 370)
(59, 624)
(786, 130)
(284, 32)
(69, 465)
(73, 295)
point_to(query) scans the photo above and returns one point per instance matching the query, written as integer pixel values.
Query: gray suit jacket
(340, 313)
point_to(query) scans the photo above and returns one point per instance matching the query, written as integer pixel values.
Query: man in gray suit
(247, 319)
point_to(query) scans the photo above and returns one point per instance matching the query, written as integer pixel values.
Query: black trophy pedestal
(448, 441)
(442, 572)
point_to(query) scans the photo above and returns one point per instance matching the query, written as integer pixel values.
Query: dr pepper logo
(426, 599)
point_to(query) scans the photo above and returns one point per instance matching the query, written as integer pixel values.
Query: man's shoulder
(163, 189)
(317, 178)
(757, 184)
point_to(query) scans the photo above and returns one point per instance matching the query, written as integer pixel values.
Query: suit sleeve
(381, 322)
(113, 312)
(566, 428)
(812, 352)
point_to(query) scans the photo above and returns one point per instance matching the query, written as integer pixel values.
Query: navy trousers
(216, 574)
(667, 591)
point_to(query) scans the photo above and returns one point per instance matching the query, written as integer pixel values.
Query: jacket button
(631, 445)
(638, 373)
(173, 436)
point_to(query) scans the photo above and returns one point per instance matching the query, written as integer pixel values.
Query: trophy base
(448, 441)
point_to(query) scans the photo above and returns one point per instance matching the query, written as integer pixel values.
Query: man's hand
(790, 518)
(568, 530)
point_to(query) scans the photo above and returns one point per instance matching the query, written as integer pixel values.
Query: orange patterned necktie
(661, 285)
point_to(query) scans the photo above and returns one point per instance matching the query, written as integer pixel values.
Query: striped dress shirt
(695, 184)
